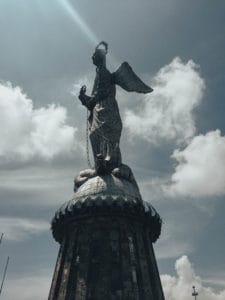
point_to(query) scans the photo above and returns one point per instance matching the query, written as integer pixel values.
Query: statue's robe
(104, 120)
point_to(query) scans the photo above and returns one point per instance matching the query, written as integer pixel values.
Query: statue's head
(99, 56)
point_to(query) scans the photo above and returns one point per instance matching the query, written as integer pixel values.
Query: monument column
(105, 234)
(106, 230)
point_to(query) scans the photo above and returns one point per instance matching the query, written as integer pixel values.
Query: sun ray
(70, 9)
(84, 27)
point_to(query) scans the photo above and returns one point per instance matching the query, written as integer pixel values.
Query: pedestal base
(106, 257)
(106, 233)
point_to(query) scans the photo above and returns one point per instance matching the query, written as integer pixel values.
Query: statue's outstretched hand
(82, 94)
(85, 99)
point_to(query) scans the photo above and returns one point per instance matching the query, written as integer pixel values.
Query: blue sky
(173, 138)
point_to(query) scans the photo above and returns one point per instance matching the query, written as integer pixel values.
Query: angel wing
(129, 81)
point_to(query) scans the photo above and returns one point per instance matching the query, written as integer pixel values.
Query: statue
(105, 123)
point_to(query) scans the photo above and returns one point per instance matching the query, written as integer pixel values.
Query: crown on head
(105, 45)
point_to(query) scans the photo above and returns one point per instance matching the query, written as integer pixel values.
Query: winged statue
(105, 124)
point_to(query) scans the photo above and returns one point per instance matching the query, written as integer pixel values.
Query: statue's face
(97, 58)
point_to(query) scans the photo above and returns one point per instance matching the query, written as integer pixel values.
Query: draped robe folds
(105, 124)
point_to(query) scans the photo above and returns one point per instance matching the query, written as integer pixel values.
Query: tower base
(106, 248)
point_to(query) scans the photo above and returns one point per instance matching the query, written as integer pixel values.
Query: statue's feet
(122, 171)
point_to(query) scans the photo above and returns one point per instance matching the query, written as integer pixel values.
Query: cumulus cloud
(201, 167)
(179, 287)
(167, 113)
(18, 229)
(27, 132)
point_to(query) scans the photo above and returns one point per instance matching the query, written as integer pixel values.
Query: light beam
(69, 8)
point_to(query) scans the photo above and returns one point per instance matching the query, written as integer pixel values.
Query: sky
(173, 139)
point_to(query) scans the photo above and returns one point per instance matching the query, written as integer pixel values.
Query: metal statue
(105, 123)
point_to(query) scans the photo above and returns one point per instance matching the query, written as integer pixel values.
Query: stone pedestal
(106, 233)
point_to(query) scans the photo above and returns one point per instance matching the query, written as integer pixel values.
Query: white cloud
(18, 229)
(32, 286)
(216, 280)
(179, 287)
(167, 113)
(27, 132)
(201, 167)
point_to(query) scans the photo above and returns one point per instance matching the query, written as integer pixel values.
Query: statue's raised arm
(105, 123)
